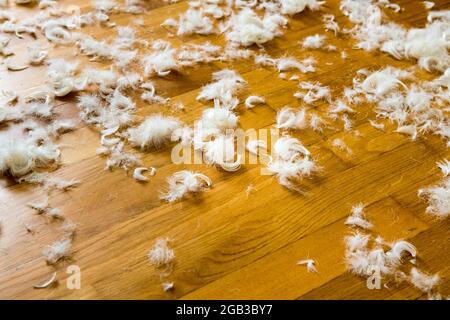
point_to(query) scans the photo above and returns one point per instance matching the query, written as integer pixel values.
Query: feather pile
(365, 257)
(426, 45)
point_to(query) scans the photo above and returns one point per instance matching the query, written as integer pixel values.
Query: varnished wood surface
(228, 244)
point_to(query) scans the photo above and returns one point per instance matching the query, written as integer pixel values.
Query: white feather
(357, 218)
(438, 198)
(288, 118)
(161, 255)
(184, 182)
(304, 66)
(60, 249)
(397, 250)
(154, 132)
(444, 165)
(309, 263)
(194, 21)
(314, 42)
(423, 281)
(251, 101)
(138, 173)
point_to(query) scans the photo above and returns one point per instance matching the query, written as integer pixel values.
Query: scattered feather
(161, 255)
(309, 263)
(251, 101)
(47, 283)
(60, 249)
(139, 176)
(184, 182)
(423, 281)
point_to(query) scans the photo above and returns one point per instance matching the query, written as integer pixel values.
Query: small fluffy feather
(444, 165)
(61, 75)
(291, 162)
(356, 241)
(36, 55)
(309, 263)
(438, 198)
(44, 207)
(314, 42)
(292, 7)
(60, 249)
(41, 206)
(330, 24)
(340, 107)
(221, 152)
(376, 125)
(184, 182)
(251, 101)
(315, 92)
(423, 281)
(224, 88)
(118, 158)
(218, 118)
(160, 62)
(19, 157)
(357, 218)
(194, 21)
(161, 255)
(289, 63)
(288, 118)
(154, 132)
(428, 4)
(341, 145)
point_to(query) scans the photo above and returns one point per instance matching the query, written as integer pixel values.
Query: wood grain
(228, 244)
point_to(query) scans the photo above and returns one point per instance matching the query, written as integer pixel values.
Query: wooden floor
(228, 244)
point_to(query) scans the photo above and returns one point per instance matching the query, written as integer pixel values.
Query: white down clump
(247, 28)
(224, 88)
(19, 157)
(154, 132)
(290, 162)
(291, 7)
(438, 196)
(161, 61)
(62, 77)
(183, 182)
